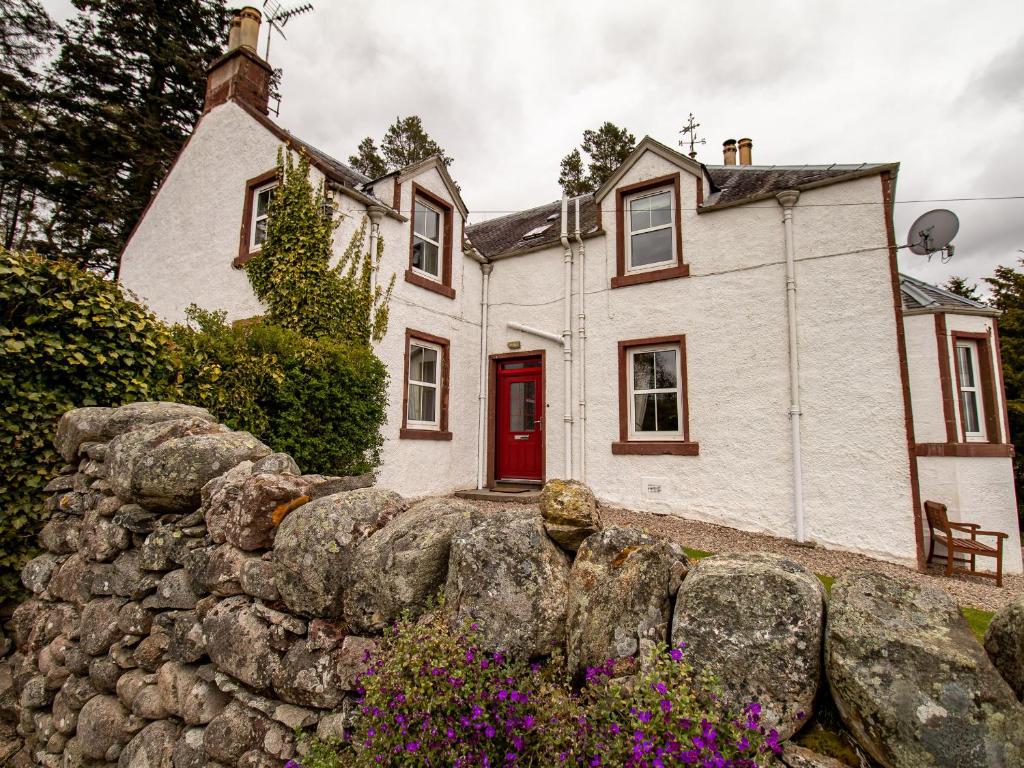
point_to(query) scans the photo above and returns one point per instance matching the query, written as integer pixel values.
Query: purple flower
(412, 746)
(676, 654)
(666, 706)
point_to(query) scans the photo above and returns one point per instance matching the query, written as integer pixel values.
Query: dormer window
(426, 240)
(649, 237)
(651, 243)
(430, 242)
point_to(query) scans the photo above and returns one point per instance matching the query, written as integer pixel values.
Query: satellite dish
(933, 231)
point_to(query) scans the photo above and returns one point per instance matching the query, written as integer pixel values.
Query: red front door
(519, 413)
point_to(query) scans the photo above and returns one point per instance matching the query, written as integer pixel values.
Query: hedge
(69, 338)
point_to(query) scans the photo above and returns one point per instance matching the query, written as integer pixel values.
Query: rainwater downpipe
(481, 446)
(787, 200)
(567, 336)
(582, 335)
(376, 215)
(481, 432)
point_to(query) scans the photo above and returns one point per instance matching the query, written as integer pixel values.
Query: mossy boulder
(570, 512)
(910, 680)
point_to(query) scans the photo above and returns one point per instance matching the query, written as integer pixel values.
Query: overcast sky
(508, 88)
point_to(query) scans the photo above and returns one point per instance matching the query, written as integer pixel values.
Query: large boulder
(104, 727)
(264, 501)
(508, 577)
(756, 622)
(570, 512)
(314, 545)
(1004, 643)
(152, 747)
(164, 466)
(234, 732)
(620, 594)
(911, 682)
(83, 425)
(401, 566)
(218, 497)
(242, 643)
(310, 676)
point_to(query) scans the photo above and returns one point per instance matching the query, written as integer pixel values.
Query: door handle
(539, 423)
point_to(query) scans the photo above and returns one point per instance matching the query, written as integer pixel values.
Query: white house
(731, 343)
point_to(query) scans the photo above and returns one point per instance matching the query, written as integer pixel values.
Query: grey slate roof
(332, 167)
(506, 234)
(745, 183)
(918, 294)
(731, 185)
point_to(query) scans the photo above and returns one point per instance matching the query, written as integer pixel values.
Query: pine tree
(26, 33)
(572, 177)
(606, 149)
(959, 286)
(1007, 286)
(405, 142)
(127, 89)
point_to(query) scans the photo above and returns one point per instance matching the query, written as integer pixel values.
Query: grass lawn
(976, 618)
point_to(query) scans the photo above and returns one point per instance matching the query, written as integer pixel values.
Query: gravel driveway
(966, 590)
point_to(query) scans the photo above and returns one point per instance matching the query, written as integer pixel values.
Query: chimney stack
(240, 74)
(729, 151)
(745, 146)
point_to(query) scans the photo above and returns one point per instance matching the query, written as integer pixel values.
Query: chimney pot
(745, 147)
(729, 151)
(234, 32)
(249, 19)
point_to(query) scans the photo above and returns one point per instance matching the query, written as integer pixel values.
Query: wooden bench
(942, 530)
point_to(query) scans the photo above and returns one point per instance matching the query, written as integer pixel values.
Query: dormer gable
(647, 144)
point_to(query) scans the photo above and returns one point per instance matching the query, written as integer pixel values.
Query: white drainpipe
(481, 448)
(787, 200)
(567, 335)
(581, 250)
(376, 214)
(481, 436)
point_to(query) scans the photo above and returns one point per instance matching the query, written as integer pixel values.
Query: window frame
(435, 385)
(626, 276)
(247, 231)
(419, 430)
(255, 247)
(630, 233)
(631, 442)
(441, 284)
(677, 390)
(988, 403)
(439, 243)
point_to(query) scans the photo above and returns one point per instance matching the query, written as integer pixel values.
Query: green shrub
(320, 400)
(432, 697)
(68, 338)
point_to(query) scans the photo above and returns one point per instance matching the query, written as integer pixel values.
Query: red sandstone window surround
(258, 191)
(430, 243)
(426, 382)
(648, 232)
(653, 402)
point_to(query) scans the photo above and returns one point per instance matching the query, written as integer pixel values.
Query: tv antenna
(932, 232)
(277, 17)
(690, 129)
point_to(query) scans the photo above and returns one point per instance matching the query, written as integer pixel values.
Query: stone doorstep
(487, 494)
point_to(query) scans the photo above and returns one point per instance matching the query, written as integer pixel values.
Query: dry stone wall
(199, 599)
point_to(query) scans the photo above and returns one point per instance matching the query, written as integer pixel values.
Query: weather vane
(277, 17)
(690, 129)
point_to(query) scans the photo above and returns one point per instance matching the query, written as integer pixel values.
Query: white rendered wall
(732, 310)
(182, 251)
(925, 385)
(975, 489)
